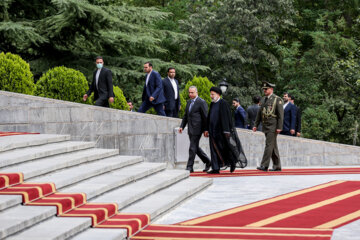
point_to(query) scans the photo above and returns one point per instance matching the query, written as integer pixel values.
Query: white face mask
(99, 65)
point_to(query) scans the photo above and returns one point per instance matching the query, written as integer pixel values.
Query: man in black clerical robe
(225, 146)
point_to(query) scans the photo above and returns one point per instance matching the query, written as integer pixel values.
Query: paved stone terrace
(227, 193)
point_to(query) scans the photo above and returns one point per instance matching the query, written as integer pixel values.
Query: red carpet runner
(310, 213)
(325, 206)
(4, 134)
(297, 171)
(195, 232)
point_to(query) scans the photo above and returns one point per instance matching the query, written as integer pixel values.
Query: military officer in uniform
(271, 115)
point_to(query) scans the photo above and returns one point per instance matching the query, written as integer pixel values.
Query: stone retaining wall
(151, 136)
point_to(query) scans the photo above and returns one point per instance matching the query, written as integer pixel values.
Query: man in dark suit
(101, 85)
(153, 94)
(252, 113)
(240, 114)
(171, 93)
(289, 117)
(298, 117)
(195, 118)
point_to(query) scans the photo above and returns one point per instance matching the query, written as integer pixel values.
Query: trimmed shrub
(62, 83)
(15, 74)
(119, 100)
(203, 85)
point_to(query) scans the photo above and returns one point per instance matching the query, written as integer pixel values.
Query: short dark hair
(170, 68)
(291, 97)
(150, 64)
(99, 57)
(256, 99)
(236, 100)
(286, 93)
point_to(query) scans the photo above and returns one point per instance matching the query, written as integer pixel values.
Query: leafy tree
(15, 74)
(203, 86)
(62, 83)
(72, 33)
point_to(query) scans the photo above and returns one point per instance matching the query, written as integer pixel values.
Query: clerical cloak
(225, 145)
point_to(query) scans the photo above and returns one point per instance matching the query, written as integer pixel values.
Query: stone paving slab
(19, 141)
(30, 153)
(227, 193)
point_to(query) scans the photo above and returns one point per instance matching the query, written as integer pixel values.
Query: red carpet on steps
(30, 191)
(177, 232)
(10, 179)
(297, 171)
(4, 134)
(103, 215)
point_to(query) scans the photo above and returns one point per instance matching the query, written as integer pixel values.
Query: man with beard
(289, 117)
(271, 114)
(225, 146)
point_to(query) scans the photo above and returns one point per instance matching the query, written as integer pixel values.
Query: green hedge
(15, 74)
(203, 85)
(62, 83)
(119, 100)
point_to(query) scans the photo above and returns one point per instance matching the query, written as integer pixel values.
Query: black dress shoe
(275, 170)
(262, 168)
(232, 168)
(190, 169)
(207, 167)
(214, 172)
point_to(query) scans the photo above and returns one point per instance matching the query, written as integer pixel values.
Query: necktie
(191, 104)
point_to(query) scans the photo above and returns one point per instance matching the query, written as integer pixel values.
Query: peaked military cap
(267, 85)
(216, 89)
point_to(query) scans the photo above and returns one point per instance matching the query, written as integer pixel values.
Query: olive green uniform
(271, 115)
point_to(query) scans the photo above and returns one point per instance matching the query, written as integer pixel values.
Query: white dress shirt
(173, 83)
(97, 77)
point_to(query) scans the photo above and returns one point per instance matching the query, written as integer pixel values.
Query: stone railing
(151, 136)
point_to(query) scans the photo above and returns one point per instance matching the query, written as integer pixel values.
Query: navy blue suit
(172, 106)
(240, 117)
(289, 119)
(154, 89)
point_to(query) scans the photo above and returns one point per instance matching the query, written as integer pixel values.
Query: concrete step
(135, 191)
(154, 204)
(164, 200)
(30, 153)
(15, 219)
(20, 141)
(92, 187)
(73, 175)
(41, 166)
(99, 233)
(106, 182)
(55, 229)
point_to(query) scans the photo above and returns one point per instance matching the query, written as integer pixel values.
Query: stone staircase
(77, 167)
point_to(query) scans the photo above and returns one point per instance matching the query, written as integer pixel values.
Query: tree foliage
(15, 74)
(119, 100)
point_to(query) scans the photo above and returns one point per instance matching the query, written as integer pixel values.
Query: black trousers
(171, 113)
(194, 150)
(102, 102)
